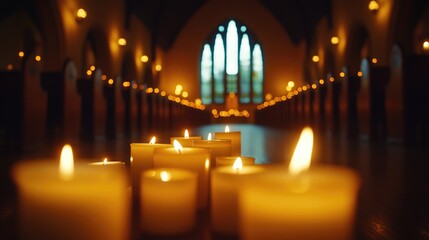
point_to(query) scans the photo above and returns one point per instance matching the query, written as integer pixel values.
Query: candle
(189, 158)
(319, 203)
(105, 164)
(226, 181)
(142, 159)
(186, 140)
(229, 161)
(235, 138)
(73, 201)
(217, 148)
(168, 202)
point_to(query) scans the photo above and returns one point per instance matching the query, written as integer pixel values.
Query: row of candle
(171, 182)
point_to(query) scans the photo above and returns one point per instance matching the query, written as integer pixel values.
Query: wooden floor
(394, 198)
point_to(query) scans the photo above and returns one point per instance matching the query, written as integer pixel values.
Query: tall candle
(235, 138)
(218, 148)
(189, 158)
(186, 140)
(168, 202)
(319, 203)
(76, 202)
(226, 181)
(141, 160)
(229, 161)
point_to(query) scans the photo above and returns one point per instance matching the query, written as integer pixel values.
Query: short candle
(235, 138)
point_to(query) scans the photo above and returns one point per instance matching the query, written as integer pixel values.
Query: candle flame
(177, 146)
(209, 137)
(227, 129)
(207, 164)
(131, 159)
(105, 161)
(302, 155)
(152, 140)
(165, 176)
(238, 164)
(66, 162)
(186, 133)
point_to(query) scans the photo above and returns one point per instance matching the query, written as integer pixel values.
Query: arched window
(231, 62)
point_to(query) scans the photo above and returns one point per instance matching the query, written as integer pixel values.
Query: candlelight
(105, 161)
(207, 164)
(209, 137)
(227, 129)
(238, 164)
(186, 133)
(152, 140)
(302, 155)
(177, 146)
(66, 163)
(165, 176)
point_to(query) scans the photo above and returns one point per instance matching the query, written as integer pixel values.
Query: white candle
(186, 140)
(229, 161)
(76, 202)
(235, 138)
(189, 158)
(217, 148)
(226, 181)
(141, 160)
(319, 203)
(168, 201)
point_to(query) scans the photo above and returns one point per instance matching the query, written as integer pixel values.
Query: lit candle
(142, 159)
(218, 148)
(189, 158)
(186, 140)
(235, 138)
(229, 161)
(168, 202)
(73, 201)
(106, 164)
(226, 181)
(319, 203)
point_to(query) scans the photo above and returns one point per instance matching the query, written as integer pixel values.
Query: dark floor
(394, 199)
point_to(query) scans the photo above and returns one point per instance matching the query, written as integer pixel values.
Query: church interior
(101, 75)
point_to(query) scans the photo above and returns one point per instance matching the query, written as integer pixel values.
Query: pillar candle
(225, 185)
(235, 138)
(105, 164)
(189, 158)
(168, 201)
(186, 140)
(317, 204)
(229, 161)
(217, 148)
(141, 160)
(81, 203)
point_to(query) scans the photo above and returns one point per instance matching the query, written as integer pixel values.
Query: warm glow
(321, 81)
(66, 162)
(373, 5)
(207, 164)
(302, 155)
(165, 176)
(126, 84)
(88, 72)
(313, 86)
(374, 60)
(426, 45)
(122, 41)
(268, 97)
(152, 140)
(9, 67)
(238, 164)
(209, 136)
(227, 129)
(81, 13)
(131, 159)
(144, 58)
(158, 67)
(92, 68)
(21, 54)
(315, 58)
(38, 58)
(110, 82)
(360, 74)
(291, 84)
(335, 40)
(186, 135)
(331, 79)
(105, 161)
(177, 146)
(342, 74)
(103, 77)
